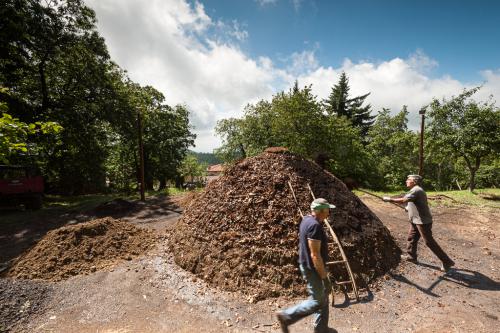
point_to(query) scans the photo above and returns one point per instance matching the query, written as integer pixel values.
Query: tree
(167, 138)
(394, 147)
(16, 136)
(208, 158)
(295, 120)
(338, 103)
(233, 141)
(57, 69)
(292, 119)
(191, 168)
(467, 128)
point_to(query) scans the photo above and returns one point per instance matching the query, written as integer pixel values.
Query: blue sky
(463, 36)
(216, 56)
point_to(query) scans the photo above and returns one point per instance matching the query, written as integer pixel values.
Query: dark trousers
(425, 231)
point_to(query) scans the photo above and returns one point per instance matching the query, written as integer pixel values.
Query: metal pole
(141, 156)
(421, 150)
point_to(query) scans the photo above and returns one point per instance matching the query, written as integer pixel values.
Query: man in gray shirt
(420, 222)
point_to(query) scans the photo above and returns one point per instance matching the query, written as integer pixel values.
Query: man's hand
(328, 286)
(387, 199)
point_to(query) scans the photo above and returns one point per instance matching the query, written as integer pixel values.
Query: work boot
(410, 258)
(445, 267)
(282, 319)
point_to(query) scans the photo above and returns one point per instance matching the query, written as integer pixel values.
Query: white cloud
(491, 85)
(233, 29)
(397, 82)
(266, 2)
(296, 4)
(169, 45)
(177, 48)
(302, 62)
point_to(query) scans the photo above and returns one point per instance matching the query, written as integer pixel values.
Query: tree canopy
(57, 71)
(341, 104)
(466, 129)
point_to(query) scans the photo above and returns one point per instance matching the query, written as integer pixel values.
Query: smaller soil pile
(82, 249)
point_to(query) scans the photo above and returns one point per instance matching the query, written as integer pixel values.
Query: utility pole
(141, 155)
(421, 150)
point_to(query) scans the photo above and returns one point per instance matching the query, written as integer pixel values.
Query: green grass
(461, 197)
(57, 205)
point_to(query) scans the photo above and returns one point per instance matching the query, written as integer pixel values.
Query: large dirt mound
(241, 232)
(82, 249)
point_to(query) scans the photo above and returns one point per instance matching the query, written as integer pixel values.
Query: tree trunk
(43, 86)
(163, 184)
(472, 180)
(472, 169)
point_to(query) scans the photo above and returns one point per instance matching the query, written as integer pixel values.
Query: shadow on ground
(463, 277)
(20, 230)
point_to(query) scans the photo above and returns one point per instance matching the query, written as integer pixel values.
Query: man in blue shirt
(313, 254)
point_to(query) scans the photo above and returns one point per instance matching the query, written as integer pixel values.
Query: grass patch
(180, 191)
(57, 205)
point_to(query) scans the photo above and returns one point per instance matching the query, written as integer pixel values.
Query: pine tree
(338, 103)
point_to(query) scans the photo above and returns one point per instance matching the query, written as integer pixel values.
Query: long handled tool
(344, 260)
(379, 197)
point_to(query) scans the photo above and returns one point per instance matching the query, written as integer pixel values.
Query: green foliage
(208, 158)
(233, 147)
(394, 147)
(167, 137)
(191, 168)
(338, 103)
(58, 71)
(463, 128)
(15, 135)
(295, 119)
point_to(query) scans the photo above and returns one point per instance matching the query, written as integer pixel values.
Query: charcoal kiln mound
(241, 232)
(82, 249)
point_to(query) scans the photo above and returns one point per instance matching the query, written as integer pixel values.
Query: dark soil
(241, 232)
(82, 249)
(19, 300)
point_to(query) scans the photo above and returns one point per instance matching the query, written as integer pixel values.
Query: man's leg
(426, 232)
(413, 237)
(315, 302)
(321, 317)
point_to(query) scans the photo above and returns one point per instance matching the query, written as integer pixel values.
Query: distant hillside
(208, 158)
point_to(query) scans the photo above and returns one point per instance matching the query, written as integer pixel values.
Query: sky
(216, 56)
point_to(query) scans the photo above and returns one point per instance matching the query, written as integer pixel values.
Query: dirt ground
(151, 294)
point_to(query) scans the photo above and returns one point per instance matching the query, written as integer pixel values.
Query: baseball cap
(320, 203)
(417, 178)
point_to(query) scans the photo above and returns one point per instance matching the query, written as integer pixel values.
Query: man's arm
(319, 264)
(402, 200)
(399, 200)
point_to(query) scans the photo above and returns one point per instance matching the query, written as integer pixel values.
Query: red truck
(20, 185)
